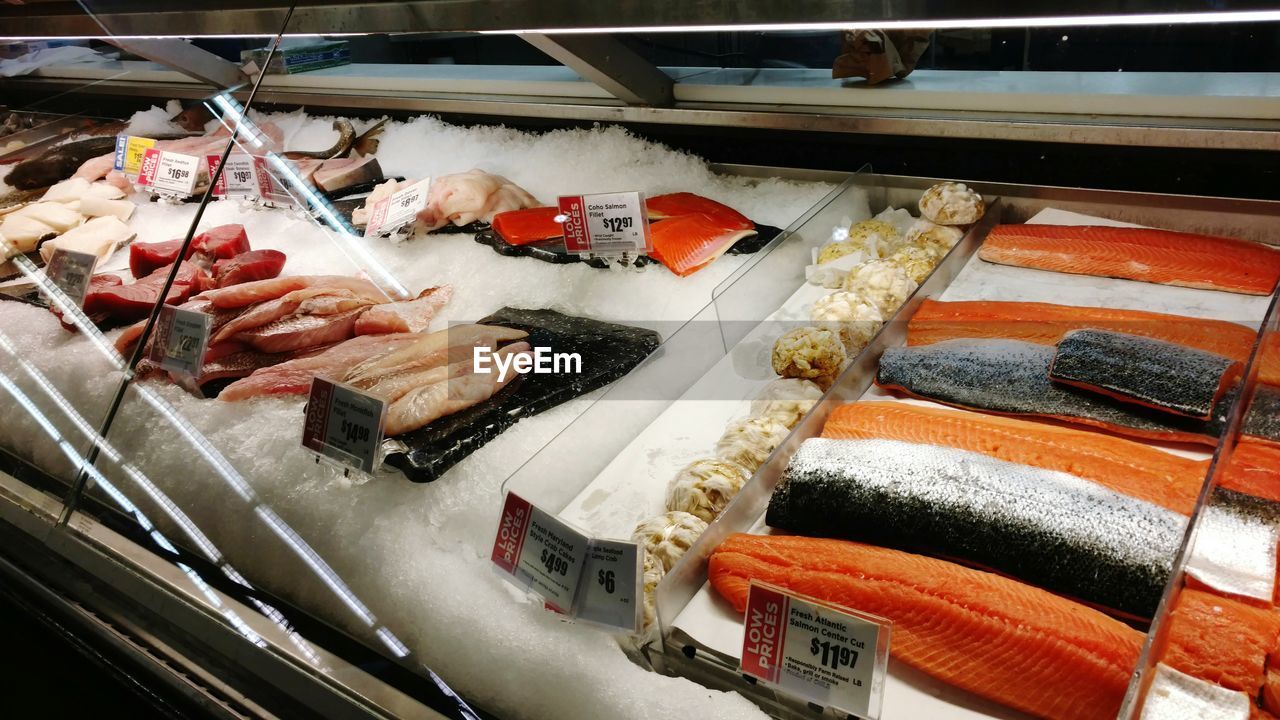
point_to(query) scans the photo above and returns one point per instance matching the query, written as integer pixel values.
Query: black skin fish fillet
(1148, 372)
(1011, 377)
(1044, 527)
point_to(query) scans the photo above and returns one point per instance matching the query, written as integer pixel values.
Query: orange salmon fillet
(688, 243)
(1146, 255)
(1046, 323)
(1125, 466)
(1269, 359)
(995, 637)
(1221, 640)
(1254, 468)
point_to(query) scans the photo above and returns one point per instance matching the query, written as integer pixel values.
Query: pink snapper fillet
(405, 316)
(426, 403)
(317, 300)
(430, 350)
(293, 377)
(245, 294)
(298, 332)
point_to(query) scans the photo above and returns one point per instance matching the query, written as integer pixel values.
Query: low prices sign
(540, 552)
(825, 655)
(587, 579)
(343, 424)
(392, 213)
(244, 176)
(606, 224)
(181, 339)
(170, 172)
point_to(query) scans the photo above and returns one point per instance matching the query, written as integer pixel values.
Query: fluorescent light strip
(23, 38)
(1014, 22)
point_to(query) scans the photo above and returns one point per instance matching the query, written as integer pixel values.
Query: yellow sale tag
(133, 152)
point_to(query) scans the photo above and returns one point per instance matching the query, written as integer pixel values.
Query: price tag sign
(830, 656)
(71, 271)
(606, 224)
(540, 552)
(169, 172)
(343, 424)
(390, 214)
(181, 339)
(129, 152)
(244, 176)
(608, 594)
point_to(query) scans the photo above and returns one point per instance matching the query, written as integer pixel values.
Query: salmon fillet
(1046, 323)
(1155, 256)
(688, 243)
(1254, 468)
(1269, 360)
(1134, 469)
(995, 637)
(1144, 371)
(1221, 640)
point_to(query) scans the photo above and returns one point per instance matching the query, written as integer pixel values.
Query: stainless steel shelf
(265, 17)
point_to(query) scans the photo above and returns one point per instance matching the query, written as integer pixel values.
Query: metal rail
(62, 18)
(1208, 134)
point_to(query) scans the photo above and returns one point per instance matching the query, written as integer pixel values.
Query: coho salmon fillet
(1155, 256)
(1132, 468)
(1051, 529)
(1012, 378)
(1144, 371)
(990, 635)
(1254, 468)
(1045, 324)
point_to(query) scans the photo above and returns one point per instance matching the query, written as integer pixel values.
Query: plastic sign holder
(70, 271)
(606, 224)
(169, 173)
(389, 215)
(823, 654)
(580, 577)
(181, 339)
(344, 425)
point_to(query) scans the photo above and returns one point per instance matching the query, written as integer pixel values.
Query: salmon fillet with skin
(1046, 323)
(1146, 255)
(1254, 469)
(688, 243)
(1222, 641)
(995, 637)
(1132, 468)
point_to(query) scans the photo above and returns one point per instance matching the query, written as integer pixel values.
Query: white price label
(169, 172)
(390, 214)
(606, 223)
(181, 339)
(610, 580)
(71, 272)
(825, 655)
(540, 552)
(242, 176)
(344, 424)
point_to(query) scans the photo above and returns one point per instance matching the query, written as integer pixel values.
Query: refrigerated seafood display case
(509, 360)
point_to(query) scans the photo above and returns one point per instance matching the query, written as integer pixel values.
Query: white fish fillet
(100, 236)
(463, 198)
(427, 351)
